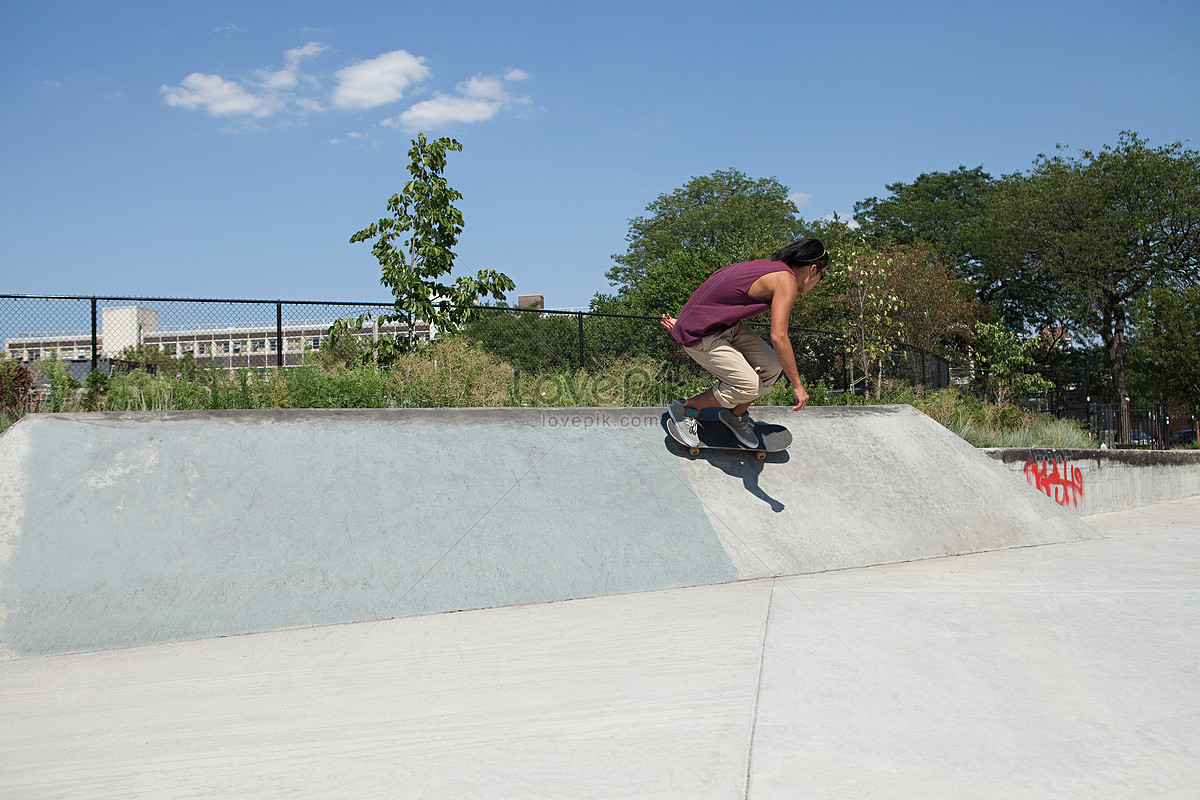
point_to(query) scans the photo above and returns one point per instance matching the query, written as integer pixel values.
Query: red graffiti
(1064, 488)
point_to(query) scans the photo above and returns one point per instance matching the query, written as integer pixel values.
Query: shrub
(63, 389)
(16, 391)
(449, 372)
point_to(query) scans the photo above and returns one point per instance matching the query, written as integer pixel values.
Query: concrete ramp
(126, 529)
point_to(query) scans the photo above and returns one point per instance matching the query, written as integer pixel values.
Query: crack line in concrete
(762, 660)
(475, 524)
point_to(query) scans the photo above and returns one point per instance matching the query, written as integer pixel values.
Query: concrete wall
(126, 529)
(1092, 481)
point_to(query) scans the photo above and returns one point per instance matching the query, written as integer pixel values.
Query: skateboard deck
(715, 436)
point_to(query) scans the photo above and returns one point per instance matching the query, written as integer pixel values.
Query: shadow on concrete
(745, 466)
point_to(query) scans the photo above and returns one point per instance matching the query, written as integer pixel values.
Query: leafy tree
(864, 287)
(938, 309)
(1074, 241)
(954, 212)
(1164, 345)
(1007, 364)
(94, 385)
(669, 281)
(159, 362)
(823, 308)
(59, 380)
(345, 346)
(528, 341)
(1103, 228)
(710, 221)
(425, 211)
(937, 207)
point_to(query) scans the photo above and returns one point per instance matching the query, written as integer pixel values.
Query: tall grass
(453, 372)
(988, 425)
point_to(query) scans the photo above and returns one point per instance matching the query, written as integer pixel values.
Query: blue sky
(230, 149)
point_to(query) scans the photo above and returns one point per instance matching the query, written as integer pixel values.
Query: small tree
(1008, 363)
(872, 326)
(425, 211)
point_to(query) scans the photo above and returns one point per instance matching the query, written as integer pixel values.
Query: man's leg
(739, 382)
(760, 356)
(708, 399)
(745, 367)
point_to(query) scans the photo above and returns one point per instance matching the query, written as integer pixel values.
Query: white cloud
(362, 85)
(799, 198)
(289, 76)
(217, 96)
(269, 93)
(442, 110)
(478, 99)
(378, 81)
(350, 135)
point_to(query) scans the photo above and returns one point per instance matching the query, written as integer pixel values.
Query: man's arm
(783, 297)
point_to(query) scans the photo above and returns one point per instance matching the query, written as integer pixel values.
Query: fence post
(278, 334)
(95, 338)
(579, 317)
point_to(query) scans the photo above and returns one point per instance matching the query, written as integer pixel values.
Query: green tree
(955, 212)
(863, 285)
(1101, 229)
(425, 212)
(16, 390)
(669, 281)
(710, 221)
(1163, 347)
(937, 207)
(1007, 364)
(936, 308)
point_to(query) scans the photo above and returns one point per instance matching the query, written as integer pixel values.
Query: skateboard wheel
(695, 451)
(761, 455)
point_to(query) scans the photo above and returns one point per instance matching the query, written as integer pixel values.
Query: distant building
(230, 345)
(531, 301)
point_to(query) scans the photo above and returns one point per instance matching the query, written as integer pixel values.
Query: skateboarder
(711, 331)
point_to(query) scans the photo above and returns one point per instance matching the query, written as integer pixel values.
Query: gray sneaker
(685, 423)
(742, 427)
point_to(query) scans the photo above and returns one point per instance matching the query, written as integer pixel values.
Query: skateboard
(715, 436)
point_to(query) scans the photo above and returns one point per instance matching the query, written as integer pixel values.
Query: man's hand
(668, 321)
(801, 397)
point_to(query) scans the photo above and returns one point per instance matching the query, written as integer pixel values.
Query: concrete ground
(1056, 671)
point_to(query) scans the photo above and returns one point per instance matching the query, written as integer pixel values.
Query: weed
(455, 372)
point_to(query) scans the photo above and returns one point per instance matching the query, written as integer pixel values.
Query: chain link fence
(114, 334)
(108, 333)
(536, 340)
(121, 334)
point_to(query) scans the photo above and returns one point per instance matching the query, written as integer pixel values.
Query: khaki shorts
(745, 366)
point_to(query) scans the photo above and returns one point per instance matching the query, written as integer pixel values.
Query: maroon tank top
(723, 300)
